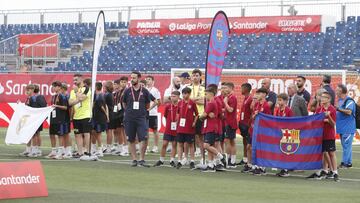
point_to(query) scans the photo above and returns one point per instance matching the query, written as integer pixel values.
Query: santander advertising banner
(40, 45)
(238, 25)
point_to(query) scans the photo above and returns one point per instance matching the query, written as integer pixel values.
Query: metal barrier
(338, 8)
(8, 52)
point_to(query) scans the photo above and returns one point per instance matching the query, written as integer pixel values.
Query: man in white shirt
(153, 111)
(174, 86)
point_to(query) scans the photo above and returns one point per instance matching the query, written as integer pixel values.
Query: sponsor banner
(46, 45)
(22, 180)
(238, 25)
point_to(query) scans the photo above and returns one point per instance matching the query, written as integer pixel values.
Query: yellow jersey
(197, 91)
(82, 110)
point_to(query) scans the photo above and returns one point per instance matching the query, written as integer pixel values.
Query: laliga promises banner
(24, 123)
(99, 36)
(238, 25)
(293, 143)
(218, 43)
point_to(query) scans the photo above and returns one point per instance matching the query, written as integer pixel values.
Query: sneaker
(172, 164)
(124, 153)
(134, 163)
(242, 162)
(192, 165)
(330, 175)
(336, 177)
(257, 172)
(231, 165)
(344, 166)
(313, 176)
(223, 161)
(143, 164)
(87, 154)
(67, 156)
(32, 154)
(179, 165)
(263, 171)
(154, 150)
(52, 155)
(116, 153)
(209, 170)
(107, 151)
(59, 157)
(246, 169)
(99, 153)
(24, 153)
(323, 175)
(158, 163)
(283, 173)
(76, 156)
(220, 167)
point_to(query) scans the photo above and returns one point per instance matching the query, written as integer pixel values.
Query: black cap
(185, 75)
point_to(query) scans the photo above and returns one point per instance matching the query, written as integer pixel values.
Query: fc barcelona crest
(219, 35)
(290, 141)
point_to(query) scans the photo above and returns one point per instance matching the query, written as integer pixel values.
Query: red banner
(38, 45)
(22, 180)
(238, 25)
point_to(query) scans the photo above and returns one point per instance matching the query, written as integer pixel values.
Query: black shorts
(59, 129)
(198, 127)
(182, 138)
(82, 126)
(244, 131)
(210, 138)
(116, 123)
(222, 136)
(40, 129)
(99, 127)
(169, 138)
(136, 128)
(153, 122)
(328, 146)
(230, 133)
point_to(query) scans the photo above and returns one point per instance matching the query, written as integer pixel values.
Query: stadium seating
(334, 49)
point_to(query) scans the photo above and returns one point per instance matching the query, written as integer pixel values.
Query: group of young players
(197, 118)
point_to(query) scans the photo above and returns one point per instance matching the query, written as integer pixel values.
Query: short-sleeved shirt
(329, 130)
(156, 94)
(231, 117)
(245, 113)
(170, 113)
(271, 96)
(346, 124)
(210, 125)
(68, 111)
(187, 110)
(287, 112)
(331, 92)
(36, 101)
(306, 95)
(197, 91)
(142, 95)
(170, 89)
(109, 99)
(98, 113)
(220, 105)
(60, 114)
(82, 110)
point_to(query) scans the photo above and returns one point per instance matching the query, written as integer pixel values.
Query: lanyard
(133, 95)
(186, 107)
(281, 113)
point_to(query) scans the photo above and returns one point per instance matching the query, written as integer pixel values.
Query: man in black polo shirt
(136, 101)
(271, 97)
(326, 85)
(300, 83)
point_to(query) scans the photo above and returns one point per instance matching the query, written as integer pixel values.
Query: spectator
(185, 79)
(175, 86)
(326, 85)
(296, 102)
(271, 96)
(300, 83)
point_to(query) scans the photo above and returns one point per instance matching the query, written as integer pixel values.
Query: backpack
(356, 114)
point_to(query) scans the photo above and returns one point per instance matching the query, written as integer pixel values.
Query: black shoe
(263, 171)
(158, 163)
(349, 165)
(220, 167)
(87, 154)
(179, 165)
(330, 175)
(134, 163)
(223, 161)
(192, 165)
(172, 164)
(336, 177)
(246, 169)
(143, 164)
(323, 175)
(257, 172)
(76, 156)
(209, 169)
(313, 176)
(283, 173)
(231, 165)
(242, 162)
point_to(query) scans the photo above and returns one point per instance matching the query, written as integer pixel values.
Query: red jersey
(187, 112)
(245, 113)
(230, 117)
(170, 115)
(220, 105)
(287, 112)
(211, 124)
(260, 108)
(329, 130)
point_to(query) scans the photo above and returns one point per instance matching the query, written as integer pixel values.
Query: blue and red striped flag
(288, 142)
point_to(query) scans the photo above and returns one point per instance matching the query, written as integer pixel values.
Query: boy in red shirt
(230, 102)
(283, 111)
(170, 112)
(245, 116)
(328, 146)
(187, 117)
(210, 131)
(259, 106)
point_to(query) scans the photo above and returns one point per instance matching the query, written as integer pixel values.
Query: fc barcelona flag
(217, 47)
(288, 142)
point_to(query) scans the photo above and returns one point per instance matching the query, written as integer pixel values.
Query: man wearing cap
(185, 79)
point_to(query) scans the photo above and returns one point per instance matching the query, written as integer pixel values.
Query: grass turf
(113, 180)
